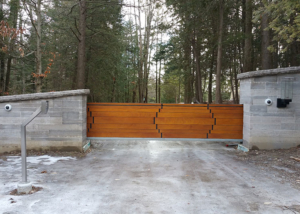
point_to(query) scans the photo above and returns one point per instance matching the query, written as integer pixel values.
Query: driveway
(147, 177)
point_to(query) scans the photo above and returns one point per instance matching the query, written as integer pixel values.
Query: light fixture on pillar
(286, 92)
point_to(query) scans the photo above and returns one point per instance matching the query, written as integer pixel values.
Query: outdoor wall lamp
(286, 92)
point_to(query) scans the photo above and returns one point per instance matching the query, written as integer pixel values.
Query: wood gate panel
(139, 120)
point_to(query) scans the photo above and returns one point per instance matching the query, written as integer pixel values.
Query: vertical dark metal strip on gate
(161, 135)
(90, 113)
(215, 121)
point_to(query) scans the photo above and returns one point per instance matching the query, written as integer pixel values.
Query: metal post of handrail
(25, 187)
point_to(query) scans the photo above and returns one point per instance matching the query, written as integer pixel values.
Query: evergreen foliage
(124, 56)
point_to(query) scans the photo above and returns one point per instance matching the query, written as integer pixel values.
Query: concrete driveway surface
(144, 176)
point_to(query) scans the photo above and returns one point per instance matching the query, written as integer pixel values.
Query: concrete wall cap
(261, 73)
(46, 95)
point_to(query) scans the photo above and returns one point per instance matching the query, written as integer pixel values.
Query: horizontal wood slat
(180, 120)
(225, 109)
(199, 131)
(132, 108)
(184, 105)
(185, 109)
(123, 114)
(233, 116)
(228, 128)
(180, 126)
(225, 105)
(237, 131)
(89, 119)
(180, 114)
(124, 110)
(140, 120)
(183, 135)
(124, 130)
(124, 104)
(123, 126)
(219, 111)
(229, 121)
(124, 134)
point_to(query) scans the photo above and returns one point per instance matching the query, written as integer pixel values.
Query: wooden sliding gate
(136, 120)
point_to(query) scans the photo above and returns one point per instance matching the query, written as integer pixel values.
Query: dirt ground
(148, 176)
(279, 160)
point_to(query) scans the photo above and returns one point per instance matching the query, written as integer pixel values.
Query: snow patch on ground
(47, 160)
(44, 159)
(14, 163)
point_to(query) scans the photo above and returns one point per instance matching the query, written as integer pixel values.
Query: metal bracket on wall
(282, 103)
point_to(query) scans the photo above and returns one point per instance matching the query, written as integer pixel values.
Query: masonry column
(266, 126)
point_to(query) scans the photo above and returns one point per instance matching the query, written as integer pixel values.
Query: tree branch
(77, 27)
(72, 8)
(75, 34)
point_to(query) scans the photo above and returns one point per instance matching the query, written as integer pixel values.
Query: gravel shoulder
(280, 161)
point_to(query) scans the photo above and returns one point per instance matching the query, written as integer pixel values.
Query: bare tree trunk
(81, 60)
(210, 76)
(7, 79)
(179, 98)
(2, 55)
(188, 77)
(293, 59)
(38, 84)
(159, 74)
(198, 73)
(13, 17)
(2, 68)
(113, 91)
(146, 51)
(248, 66)
(140, 62)
(218, 98)
(231, 84)
(22, 63)
(265, 43)
(235, 73)
(275, 57)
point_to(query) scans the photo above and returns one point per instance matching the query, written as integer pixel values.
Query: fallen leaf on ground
(44, 171)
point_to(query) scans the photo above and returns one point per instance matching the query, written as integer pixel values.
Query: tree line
(168, 51)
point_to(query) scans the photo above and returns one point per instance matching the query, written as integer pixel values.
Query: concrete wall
(269, 127)
(62, 128)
